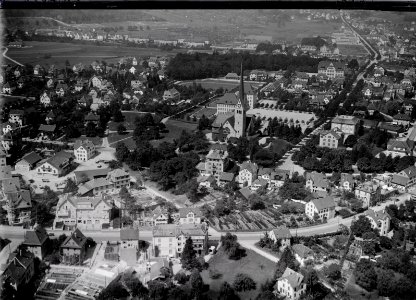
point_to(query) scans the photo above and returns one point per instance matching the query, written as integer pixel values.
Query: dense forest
(201, 65)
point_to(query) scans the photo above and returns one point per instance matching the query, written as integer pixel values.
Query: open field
(38, 53)
(256, 266)
(354, 50)
(175, 128)
(294, 31)
(226, 84)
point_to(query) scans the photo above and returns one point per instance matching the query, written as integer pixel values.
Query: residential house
(16, 116)
(190, 215)
(282, 235)
(169, 239)
(93, 118)
(129, 248)
(404, 179)
(247, 174)
(38, 70)
(114, 181)
(18, 201)
(317, 183)
(290, 285)
(259, 183)
(36, 241)
(46, 98)
(347, 182)
(225, 178)
(28, 162)
(61, 89)
(160, 216)
(47, 132)
(206, 181)
(346, 124)
(96, 81)
(8, 88)
(89, 213)
(303, 253)
(379, 220)
(330, 139)
(324, 208)
(50, 117)
(402, 119)
(366, 192)
(171, 95)
(73, 249)
(232, 76)
(227, 103)
(214, 163)
(57, 165)
(258, 75)
(84, 150)
(398, 147)
(20, 269)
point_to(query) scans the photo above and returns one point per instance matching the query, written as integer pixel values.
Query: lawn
(215, 84)
(114, 137)
(256, 266)
(353, 50)
(294, 31)
(175, 128)
(38, 53)
(97, 141)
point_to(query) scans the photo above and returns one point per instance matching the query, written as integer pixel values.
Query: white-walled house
(55, 165)
(247, 174)
(190, 215)
(323, 207)
(379, 220)
(302, 253)
(290, 285)
(83, 150)
(281, 234)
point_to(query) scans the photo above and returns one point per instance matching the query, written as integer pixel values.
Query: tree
(227, 292)
(365, 274)
(70, 187)
(333, 272)
(121, 129)
(243, 282)
(122, 152)
(90, 130)
(181, 277)
(196, 283)
(361, 226)
(188, 256)
(115, 290)
(350, 141)
(287, 260)
(232, 247)
(7, 292)
(353, 64)
(385, 282)
(386, 243)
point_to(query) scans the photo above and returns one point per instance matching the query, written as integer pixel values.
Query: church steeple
(240, 110)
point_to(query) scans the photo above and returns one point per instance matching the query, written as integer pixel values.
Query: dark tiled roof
(36, 237)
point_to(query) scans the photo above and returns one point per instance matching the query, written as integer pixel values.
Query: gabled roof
(251, 167)
(376, 215)
(343, 119)
(226, 176)
(47, 128)
(83, 143)
(294, 278)
(346, 177)
(302, 250)
(282, 232)
(32, 158)
(183, 212)
(216, 154)
(228, 99)
(322, 203)
(78, 237)
(402, 117)
(410, 172)
(330, 132)
(92, 117)
(394, 143)
(222, 118)
(36, 237)
(59, 158)
(318, 179)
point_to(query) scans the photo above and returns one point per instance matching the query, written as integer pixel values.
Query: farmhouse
(56, 165)
(28, 162)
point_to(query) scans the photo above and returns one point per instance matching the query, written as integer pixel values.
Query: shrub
(214, 274)
(243, 282)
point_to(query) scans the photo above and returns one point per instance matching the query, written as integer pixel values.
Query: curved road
(11, 59)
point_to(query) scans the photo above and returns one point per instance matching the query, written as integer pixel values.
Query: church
(233, 124)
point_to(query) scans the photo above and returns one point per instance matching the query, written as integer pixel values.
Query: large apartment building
(169, 239)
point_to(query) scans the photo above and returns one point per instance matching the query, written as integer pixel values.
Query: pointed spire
(241, 94)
